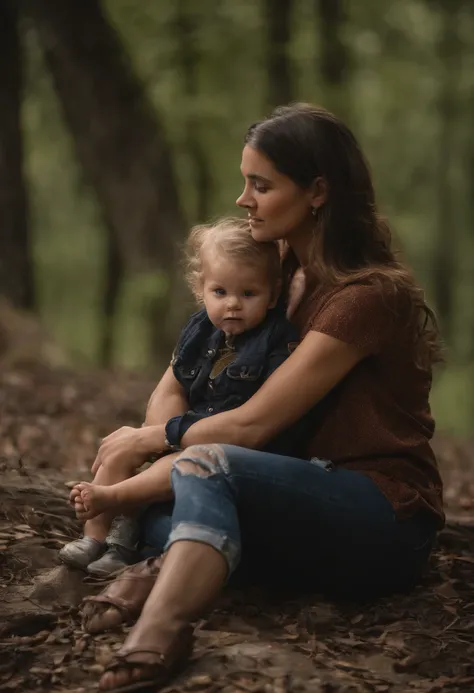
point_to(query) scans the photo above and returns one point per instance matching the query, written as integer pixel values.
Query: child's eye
(219, 292)
(249, 293)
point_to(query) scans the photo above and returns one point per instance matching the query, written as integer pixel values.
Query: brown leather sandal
(156, 667)
(121, 602)
(161, 642)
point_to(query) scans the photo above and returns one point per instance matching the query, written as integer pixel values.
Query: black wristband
(173, 433)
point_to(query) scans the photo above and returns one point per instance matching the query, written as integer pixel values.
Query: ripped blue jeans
(291, 521)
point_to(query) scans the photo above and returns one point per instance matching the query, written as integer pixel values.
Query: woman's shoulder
(369, 294)
(363, 312)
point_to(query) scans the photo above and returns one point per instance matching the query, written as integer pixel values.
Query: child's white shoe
(113, 560)
(81, 552)
(120, 549)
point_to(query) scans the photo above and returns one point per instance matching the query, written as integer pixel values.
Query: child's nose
(233, 302)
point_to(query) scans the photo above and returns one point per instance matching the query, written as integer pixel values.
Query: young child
(224, 354)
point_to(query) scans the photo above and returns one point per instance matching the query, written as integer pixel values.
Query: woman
(361, 514)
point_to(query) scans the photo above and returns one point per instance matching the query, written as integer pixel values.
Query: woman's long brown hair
(351, 242)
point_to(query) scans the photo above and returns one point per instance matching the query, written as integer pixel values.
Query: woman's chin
(258, 233)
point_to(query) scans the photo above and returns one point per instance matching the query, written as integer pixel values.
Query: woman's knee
(202, 460)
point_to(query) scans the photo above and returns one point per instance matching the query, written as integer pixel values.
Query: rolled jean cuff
(188, 531)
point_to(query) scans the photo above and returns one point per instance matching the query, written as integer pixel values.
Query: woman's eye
(259, 187)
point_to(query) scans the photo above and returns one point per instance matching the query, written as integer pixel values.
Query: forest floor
(255, 641)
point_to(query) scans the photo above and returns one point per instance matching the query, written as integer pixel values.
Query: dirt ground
(255, 642)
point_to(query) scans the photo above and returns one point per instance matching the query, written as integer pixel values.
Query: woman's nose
(240, 201)
(245, 200)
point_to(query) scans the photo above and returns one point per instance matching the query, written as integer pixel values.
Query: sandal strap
(166, 650)
(155, 676)
(121, 604)
(152, 663)
(124, 656)
(130, 588)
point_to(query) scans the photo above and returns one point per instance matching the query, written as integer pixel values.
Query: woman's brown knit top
(377, 420)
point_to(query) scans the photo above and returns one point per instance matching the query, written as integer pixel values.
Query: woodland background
(121, 124)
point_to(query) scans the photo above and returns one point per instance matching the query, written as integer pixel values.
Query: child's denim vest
(258, 353)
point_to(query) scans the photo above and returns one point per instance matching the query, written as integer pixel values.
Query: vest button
(210, 410)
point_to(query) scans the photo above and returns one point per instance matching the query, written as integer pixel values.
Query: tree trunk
(277, 17)
(469, 191)
(445, 251)
(114, 277)
(334, 62)
(187, 59)
(119, 141)
(16, 265)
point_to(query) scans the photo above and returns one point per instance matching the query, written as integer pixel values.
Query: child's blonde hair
(232, 238)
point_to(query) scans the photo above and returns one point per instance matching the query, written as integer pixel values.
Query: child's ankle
(117, 495)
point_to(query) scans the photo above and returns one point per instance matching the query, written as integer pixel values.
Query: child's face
(236, 296)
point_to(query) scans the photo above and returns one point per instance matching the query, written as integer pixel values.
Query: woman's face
(277, 207)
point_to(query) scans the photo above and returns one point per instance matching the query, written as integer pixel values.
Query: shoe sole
(105, 573)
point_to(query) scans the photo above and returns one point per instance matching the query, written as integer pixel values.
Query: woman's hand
(130, 447)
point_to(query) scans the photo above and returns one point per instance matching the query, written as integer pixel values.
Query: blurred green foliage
(393, 101)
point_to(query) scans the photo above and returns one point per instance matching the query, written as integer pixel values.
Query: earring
(314, 211)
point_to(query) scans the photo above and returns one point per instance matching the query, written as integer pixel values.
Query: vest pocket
(244, 372)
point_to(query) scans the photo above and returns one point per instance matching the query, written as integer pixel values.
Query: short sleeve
(360, 314)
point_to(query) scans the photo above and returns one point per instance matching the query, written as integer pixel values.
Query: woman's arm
(167, 400)
(317, 365)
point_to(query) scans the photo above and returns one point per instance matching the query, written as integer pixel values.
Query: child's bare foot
(91, 500)
(73, 496)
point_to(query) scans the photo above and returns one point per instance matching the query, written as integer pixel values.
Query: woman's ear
(318, 192)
